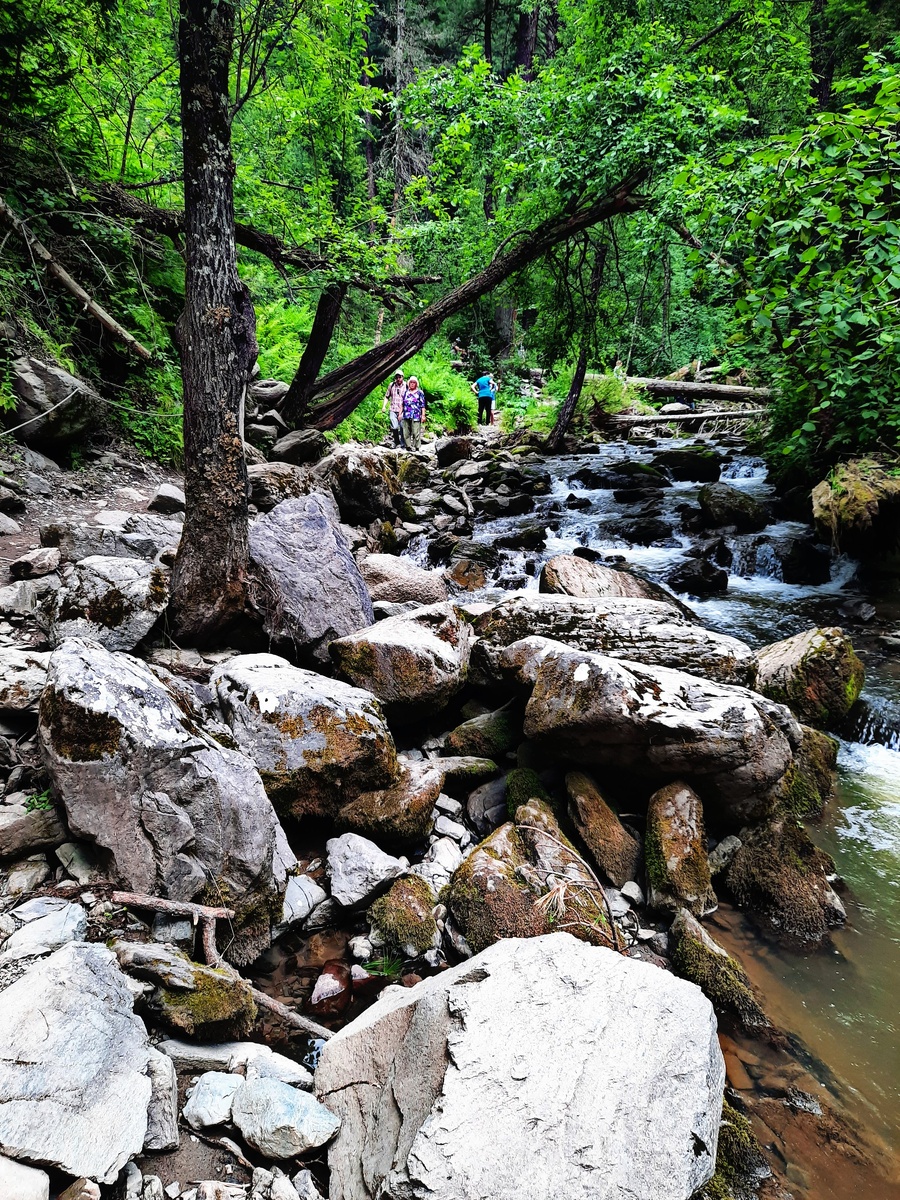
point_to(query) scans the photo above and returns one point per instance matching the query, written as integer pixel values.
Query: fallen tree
(728, 414)
(690, 390)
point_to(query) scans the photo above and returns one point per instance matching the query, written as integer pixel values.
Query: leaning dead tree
(340, 391)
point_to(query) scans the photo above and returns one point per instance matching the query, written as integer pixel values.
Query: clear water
(842, 1003)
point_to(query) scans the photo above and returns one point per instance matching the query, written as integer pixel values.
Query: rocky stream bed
(543, 844)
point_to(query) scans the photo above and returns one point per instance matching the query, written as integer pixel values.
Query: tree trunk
(526, 41)
(567, 412)
(349, 385)
(328, 310)
(217, 334)
(821, 55)
(489, 30)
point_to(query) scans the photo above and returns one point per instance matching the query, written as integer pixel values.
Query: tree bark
(526, 41)
(688, 389)
(217, 334)
(349, 385)
(489, 30)
(567, 412)
(328, 310)
(821, 55)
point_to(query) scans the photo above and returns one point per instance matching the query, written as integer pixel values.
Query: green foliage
(386, 965)
(39, 803)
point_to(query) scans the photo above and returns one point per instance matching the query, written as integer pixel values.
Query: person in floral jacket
(413, 414)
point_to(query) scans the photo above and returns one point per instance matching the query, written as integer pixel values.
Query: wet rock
(815, 673)
(698, 957)
(63, 923)
(805, 562)
(300, 446)
(115, 601)
(319, 592)
(613, 849)
(272, 482)
(399, 579)
(491, 1108)
(279, 1121)
(73, 1093)
(721, 857)
(414, 664)
(23, 830)
(210, 1099)
(18, 1182)
(358, 869)
(35, 564)
(57, 406)
(404, 917)
(301, 896)
(489, 735)
(781, 879)
(721, 504)
(486, 806)
(162, 1110)
(23, 674)
(809, 781)
(648, 631)
(450, 450)
(167, 499)
(176, 814)
(571, 575)
(313, 739)
(113, 533)
(645, 531)
(525, 537)
(728, 742)
(675, 852)
(399, 815)
(693, 464)
(857, 508)
(333, 990)
(699, 577)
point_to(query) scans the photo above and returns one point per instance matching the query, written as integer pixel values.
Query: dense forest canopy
(652, 182)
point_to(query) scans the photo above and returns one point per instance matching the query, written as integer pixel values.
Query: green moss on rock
(404, 916)
(816, 674)
(809, 781)
(220, 1008)
(487, 736)
(740, 1161)
(675, 852)
(522, 785)
(614, 850)
(77, 733)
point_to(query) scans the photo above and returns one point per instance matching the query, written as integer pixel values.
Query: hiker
(393, 404)
(486, 390)
(413, 414)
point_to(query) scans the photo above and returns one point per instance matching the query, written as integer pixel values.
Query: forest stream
(839, 1004)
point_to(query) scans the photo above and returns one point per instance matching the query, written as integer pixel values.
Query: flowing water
(842, 1003)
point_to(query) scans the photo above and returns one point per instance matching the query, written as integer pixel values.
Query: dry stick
(62, 276)
(207, 917)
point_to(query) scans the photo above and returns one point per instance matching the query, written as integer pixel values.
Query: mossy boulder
(723, 505)
(522, 785)
(398, 816)
(740, 1161)
(858, 508)
(675, 852)
(615, 851)
(404, 916)
(487, 736)
(698, 957)
(809, 782)
(815, 673)
(781, 879)
(695, 463)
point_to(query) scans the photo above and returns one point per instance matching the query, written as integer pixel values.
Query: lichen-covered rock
(453, 1089)
(675, 852)
(857, 508)
(399, 579)
(315, 741)
(809, 782)
(698, 957)
(490, 735)
(721, 504)
(615, 851)
(781, 879)
(23, 674)
(648, 631)
(319, 593)
(115, 601)
(272, 482)
(729, 743)
(569, 575)
(404, 916)
(173, 812)
(400, 815)
(815, 673)
(414, 664)
(523, 880)
(113, 533)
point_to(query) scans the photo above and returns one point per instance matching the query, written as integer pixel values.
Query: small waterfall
(873, 723)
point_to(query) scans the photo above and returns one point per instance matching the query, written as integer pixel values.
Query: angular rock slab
(320, 594)
(279, 1121)
(415, 663)
(172, 808)
(389, 577)
(312, 738)
(113, 532)
(73, 1056)
(112, 600)
(728, 742)
(643, 630)
(456, 1089)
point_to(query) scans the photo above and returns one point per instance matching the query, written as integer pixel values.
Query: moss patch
(486, 736)
(405, 918)
(77, 733)
(522, 785)
(218, 1009)
(739, 1159)
(809, 781)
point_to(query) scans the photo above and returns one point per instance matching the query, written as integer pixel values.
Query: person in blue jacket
(485, 388)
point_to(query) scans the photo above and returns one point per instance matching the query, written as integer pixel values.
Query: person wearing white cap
(393, 404)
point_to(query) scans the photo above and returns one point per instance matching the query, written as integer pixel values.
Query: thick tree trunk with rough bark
(526, 41)
(348, 386)
(328, 310)
(217, 334)
(821, 54)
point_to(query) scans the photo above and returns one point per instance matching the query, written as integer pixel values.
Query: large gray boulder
(649, 631)
(397, 580)
(57, 406)
(176, 814)
(319, 594)
(73, 1058)
(363, 481)
(816, 673)
(24, 830)
(569, 575)
(729, 743)
(112, 600)
(300, 446)
(114, 532)
(455, 1090)
(316, 741)
(414, 663)
(23, 674)
(721, 505)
